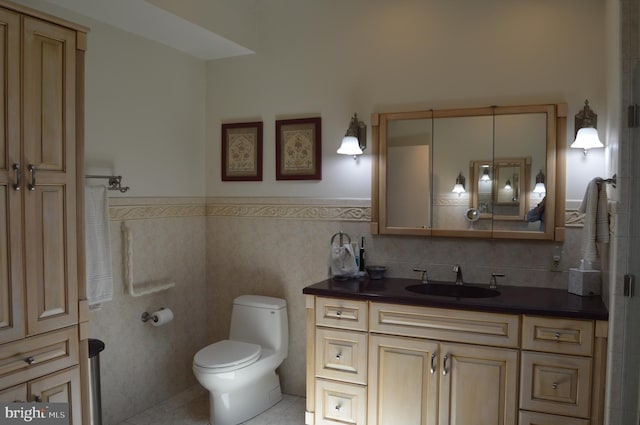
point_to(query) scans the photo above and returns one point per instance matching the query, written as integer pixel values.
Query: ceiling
(157, 24)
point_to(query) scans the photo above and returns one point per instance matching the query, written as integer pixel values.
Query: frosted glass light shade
(458, 188)
(539, 188)
(587, 138)
(350, 146)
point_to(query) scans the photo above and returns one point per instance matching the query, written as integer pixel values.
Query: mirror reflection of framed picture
(299, 149)
(242, 151)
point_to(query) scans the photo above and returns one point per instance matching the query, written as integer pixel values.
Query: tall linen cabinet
(43, 312)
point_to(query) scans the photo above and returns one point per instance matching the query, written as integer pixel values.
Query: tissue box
(584, 282)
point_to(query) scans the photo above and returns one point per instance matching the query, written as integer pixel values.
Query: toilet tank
(261, 320)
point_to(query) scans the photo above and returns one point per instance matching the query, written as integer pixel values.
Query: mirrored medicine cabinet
(509, 160)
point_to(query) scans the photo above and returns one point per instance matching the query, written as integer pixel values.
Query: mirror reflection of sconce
(354, 141)
(586, 134)
(540, 188)
(459, 186)
(485, 174)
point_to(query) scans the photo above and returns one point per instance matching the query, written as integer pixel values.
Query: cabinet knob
(554, 386)
(338, 313)
(30, 360)
(338, 356)
(37, 399)
(338, 407)
(557, 336)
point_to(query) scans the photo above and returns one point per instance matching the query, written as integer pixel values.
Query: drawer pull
(557, 336)
(432, 369)
(338, 407)
(339, 314)
(30, 360)
(445, 371)
(554, 386)
(338, 356)
(16, 168)
(38, 399)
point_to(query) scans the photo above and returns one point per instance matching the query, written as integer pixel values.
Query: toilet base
(233, 408)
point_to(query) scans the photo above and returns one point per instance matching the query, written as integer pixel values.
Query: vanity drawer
(534, 418)
(338, 403)
(501, 330)
(341, 355)
(557, 384)
(339, 313)
(36, 356)
(555, 335)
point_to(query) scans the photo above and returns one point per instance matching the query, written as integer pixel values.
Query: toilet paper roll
(161, 317)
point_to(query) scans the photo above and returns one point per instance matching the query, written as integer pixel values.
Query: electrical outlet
(555, 263)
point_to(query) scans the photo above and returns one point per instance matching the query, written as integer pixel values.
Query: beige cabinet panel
(341, 355)
(338, 403)
(50, 196)
(14, 394)
(11, 277)
(479, 385)
(60, 387)
(554, 383)
(555, 335)
(534, 418)
(501, 330)
(343, 314)
(403, 381)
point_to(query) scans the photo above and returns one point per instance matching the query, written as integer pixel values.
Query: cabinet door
(60, 387)
(49, 156)
(11, 277)
(403, 381)
(479, 385)
(17, 394)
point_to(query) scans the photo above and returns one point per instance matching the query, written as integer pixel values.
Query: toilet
(240, 372)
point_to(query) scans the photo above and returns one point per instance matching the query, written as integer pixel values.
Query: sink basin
(452, 290)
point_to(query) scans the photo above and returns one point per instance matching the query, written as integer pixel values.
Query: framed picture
(242, 151)
(298, 149)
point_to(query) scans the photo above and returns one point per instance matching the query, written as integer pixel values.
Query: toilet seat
(227, 355)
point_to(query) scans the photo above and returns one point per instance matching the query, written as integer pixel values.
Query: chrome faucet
(425, 275)
(458, 270)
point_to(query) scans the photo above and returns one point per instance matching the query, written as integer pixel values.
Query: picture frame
(299, 149)
(241, 156)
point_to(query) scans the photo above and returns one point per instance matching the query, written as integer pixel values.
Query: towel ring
(341, 234)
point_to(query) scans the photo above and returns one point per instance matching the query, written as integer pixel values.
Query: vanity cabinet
(379, 363)
(41, 233)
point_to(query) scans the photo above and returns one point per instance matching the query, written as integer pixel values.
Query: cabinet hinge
(629, 283)
(634, 116)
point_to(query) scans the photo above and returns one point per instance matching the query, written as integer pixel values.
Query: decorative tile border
(302, 212)
(354, 210)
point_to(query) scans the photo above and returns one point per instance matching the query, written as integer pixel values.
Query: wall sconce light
(459, 186)
(507, 185)
(540, 188)
(354, 141)
(485, 174)
(586, 134)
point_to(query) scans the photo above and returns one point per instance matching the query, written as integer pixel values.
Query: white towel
(596, 219)
(343, 260)
(97, 245)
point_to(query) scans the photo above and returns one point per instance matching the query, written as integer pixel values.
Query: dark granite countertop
(512, 299)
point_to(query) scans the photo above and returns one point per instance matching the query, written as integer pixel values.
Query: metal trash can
(95, 347)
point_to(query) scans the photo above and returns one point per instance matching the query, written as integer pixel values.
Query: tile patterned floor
(191, 407)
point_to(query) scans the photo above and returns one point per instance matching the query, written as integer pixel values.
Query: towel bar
(115, 182)
(613, 180)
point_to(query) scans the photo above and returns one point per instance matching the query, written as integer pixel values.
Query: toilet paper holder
(146, 316)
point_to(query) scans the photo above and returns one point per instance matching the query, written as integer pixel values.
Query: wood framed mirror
(419, 155)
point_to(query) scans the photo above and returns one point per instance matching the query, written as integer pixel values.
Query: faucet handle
(425, 275)
(493, 283)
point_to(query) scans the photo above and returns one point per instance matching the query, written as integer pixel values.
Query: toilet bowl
(240, 372)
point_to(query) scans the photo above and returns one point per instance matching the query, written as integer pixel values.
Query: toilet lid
(227, 353)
